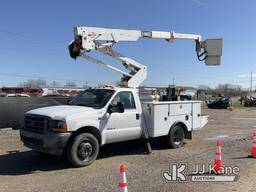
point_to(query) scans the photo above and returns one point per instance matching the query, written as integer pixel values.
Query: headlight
(58, 126)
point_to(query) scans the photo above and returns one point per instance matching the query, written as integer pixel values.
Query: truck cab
(108, 114)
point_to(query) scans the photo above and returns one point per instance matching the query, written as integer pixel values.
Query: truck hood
(61, 111)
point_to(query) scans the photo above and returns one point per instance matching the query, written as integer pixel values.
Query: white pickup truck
(106, 115)
(112, 114)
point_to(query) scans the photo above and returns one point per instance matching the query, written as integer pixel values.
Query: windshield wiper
(80, 104)
(84, 105)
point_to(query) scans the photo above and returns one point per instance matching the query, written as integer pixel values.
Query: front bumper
(47, 142)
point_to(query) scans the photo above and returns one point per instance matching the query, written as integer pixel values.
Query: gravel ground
(24, 170)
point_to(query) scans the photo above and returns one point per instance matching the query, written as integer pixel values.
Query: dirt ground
(24, 170)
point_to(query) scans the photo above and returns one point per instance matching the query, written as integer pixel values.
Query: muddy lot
(24, 170)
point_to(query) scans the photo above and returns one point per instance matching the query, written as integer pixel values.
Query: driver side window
(125, 97)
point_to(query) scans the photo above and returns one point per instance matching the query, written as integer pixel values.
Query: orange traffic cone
(122, 180)
(231, 108)
(253, 150)
(217, 160)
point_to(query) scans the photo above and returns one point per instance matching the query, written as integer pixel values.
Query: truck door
(126, 125)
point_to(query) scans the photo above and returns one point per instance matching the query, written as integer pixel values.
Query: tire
(175, 137)
(83, 150)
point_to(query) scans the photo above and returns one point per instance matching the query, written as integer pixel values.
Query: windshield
(95, 98)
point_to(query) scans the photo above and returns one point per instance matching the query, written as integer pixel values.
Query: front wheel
(83, 150)
(175, 137)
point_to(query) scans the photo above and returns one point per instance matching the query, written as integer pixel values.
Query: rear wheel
(83, 150)
(175, 137)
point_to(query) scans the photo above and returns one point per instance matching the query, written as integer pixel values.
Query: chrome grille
(36, 123)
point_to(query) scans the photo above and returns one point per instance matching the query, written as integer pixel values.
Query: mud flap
(188, 134)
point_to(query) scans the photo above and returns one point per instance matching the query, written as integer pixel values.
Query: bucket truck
(109, 114)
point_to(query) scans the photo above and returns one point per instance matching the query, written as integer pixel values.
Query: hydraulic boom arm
(103, 40)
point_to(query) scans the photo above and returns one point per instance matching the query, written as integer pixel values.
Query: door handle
(137, 116)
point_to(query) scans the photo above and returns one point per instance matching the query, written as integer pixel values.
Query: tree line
(224, 89)
(39, 83)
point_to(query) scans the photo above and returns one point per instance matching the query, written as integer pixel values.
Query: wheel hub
(84, 150)
(177, 137)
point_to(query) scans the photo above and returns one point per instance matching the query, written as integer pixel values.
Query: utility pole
(173, 82)
(86, 84)
(251, 85)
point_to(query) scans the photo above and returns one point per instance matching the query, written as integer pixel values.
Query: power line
(27, 37)
(16, 37)
(163, 70)
(46, 78)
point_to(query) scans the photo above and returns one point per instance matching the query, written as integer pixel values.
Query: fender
(88, 129)
(77, 124)
(188, 134)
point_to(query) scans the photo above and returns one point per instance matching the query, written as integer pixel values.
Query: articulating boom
(103, 40)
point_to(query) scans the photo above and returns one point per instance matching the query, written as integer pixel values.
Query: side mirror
(109, 110)
(119, 108)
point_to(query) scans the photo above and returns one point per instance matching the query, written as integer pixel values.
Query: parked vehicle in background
(3, 94)
(17, 95)
(219, 102)
(61, 91)
(248, 101)
(21, 90)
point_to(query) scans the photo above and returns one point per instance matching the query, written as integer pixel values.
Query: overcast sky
(34, 36)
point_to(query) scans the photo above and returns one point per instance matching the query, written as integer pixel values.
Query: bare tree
(229, 89)
(85, 86)
(33, 83)
(55, 84)
(223, 89)
(204, 87)
(70, 84)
